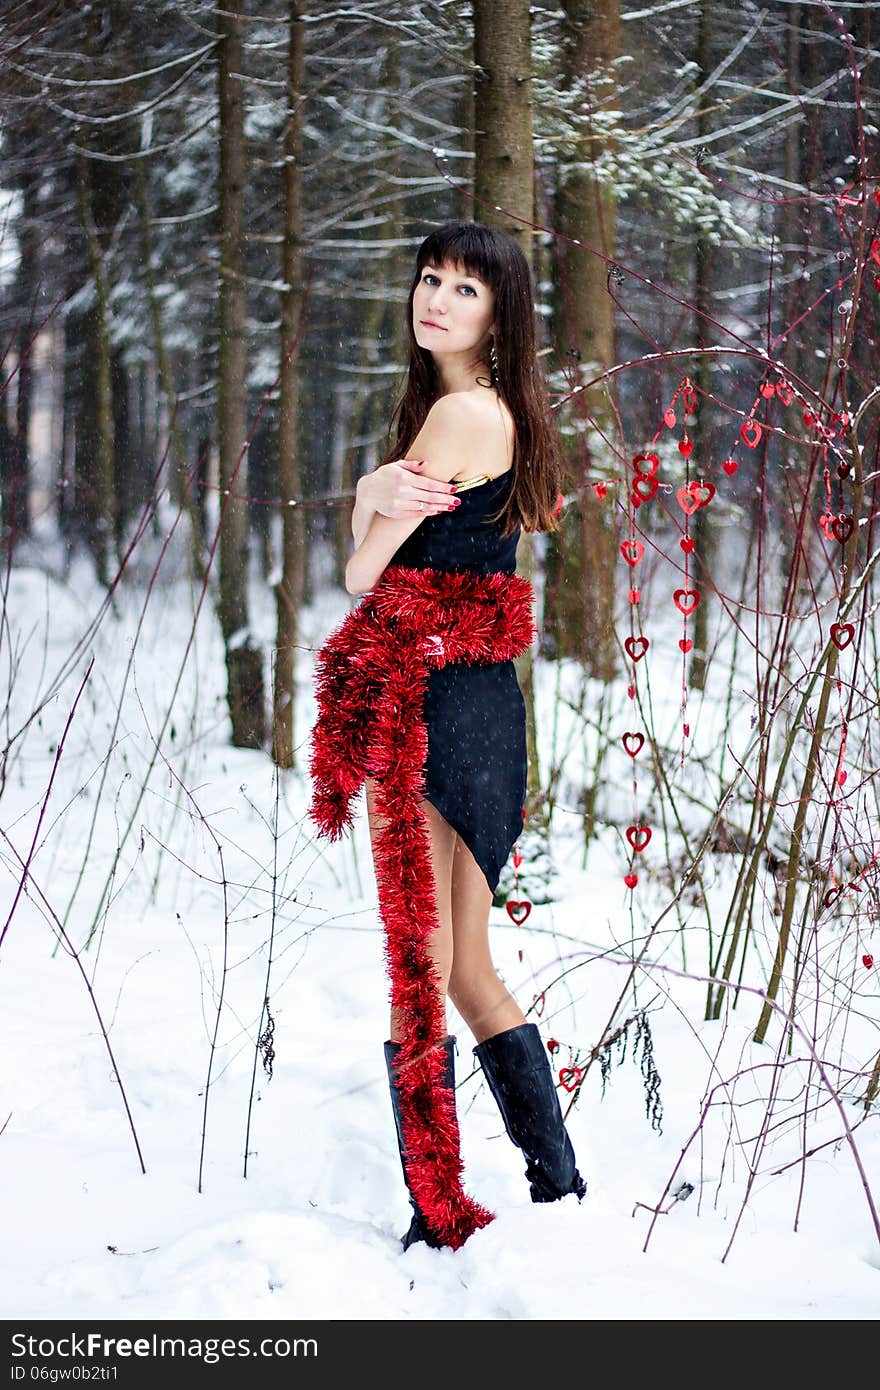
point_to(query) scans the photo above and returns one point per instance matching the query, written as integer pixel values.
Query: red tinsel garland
(371, 677)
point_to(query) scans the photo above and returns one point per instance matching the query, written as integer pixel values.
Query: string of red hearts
(694, 493)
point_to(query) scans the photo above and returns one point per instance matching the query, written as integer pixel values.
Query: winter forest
(208, 219)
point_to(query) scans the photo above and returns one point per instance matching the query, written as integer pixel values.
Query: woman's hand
(402, 489)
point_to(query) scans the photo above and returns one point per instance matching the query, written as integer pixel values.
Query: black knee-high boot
(418, 1229)
(517, 1068)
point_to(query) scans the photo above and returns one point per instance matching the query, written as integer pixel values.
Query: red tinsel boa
(371, 676)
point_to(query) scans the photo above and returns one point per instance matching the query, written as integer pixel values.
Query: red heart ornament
(633, 743)
(841, 634)
(685, 643)
(539, 1001)
(552, 1045)
(631, 692)
(600, 489)
(686, 600)
(669, 419)
(686, 447)
(687, 501)
(630, 880)
(767, 389)
(687, 544)
(750, 433)
(841, 778)
(643, 488)
(639, 836)
(689, 400)
(636, 647)
(704, 492)
(867, 962)
(632, 551)
(517, 859)
(844, 470)
(635, 595)
(686, 730)
(645, 465)
(518, 910)
(783, 391)
(842, 526)
(825, 521)
(730, 466)
(571, 1077)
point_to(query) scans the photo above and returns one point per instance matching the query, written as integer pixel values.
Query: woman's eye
(469, 289)
(428, 277)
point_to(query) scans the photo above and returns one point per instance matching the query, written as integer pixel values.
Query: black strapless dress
(475, 771)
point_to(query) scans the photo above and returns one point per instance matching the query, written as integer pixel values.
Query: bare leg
(441, 838)
(484, 1002)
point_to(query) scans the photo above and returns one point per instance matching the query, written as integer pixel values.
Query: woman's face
(452, 312)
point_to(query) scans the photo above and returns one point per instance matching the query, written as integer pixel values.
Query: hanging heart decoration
(685, 643)
(841, 634)
(669, 419)
(518, 910)
(841, 777)
(825, 522)
(571, 1077)
(844, 470)
(635, 595)
(783, 391)
(635, 648)
(517, 859)
(687, 544)
(750, 433)
(645, 465)
(730, 466)
(600, 489)
(539, 1000)
(686, 600)
(687, 501)
(639, 836)
(842, 526)
(689, 399)
(630, 691)
(686, 447)
(630, 880)
(867, 962)
(704, 492)
(830, 896)
(767, 389)
(643, 489)
(632, 551)
(633, 743)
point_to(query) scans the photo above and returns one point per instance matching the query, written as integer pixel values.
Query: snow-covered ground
(133, 850)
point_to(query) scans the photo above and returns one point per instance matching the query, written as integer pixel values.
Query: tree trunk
(289, 590)
(244, 664)
(583, 557)
(702, 529)
(94, 444)
(504, 198)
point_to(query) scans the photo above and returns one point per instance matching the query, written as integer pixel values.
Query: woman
(419, 700)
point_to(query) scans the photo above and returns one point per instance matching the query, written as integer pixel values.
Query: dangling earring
(493, 363)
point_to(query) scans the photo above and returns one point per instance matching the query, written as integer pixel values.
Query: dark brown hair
(496, 259)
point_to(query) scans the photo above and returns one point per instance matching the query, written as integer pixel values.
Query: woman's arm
(449, 443)
(395, 489)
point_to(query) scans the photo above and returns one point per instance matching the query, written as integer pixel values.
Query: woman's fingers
(421, 495)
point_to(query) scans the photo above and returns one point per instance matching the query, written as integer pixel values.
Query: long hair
(496, 259)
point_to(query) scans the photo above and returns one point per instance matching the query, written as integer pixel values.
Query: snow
(313, 1229)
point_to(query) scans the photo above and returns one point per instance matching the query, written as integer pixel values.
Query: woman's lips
(426, 323)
